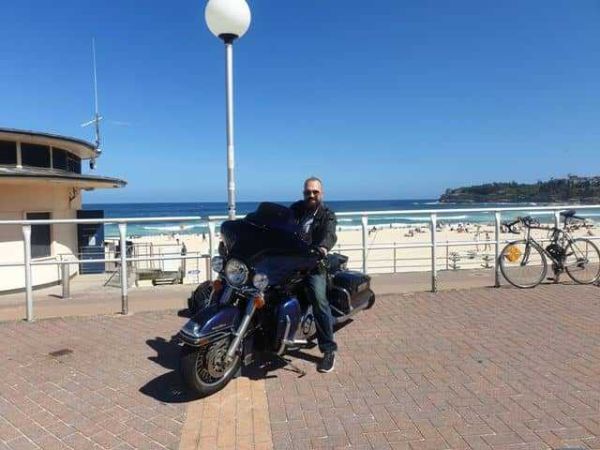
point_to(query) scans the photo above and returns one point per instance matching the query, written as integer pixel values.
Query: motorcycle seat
(336, 262)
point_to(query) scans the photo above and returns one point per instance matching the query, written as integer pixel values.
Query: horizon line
(258, 201)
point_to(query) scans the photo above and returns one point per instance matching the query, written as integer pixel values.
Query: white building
(41, 178)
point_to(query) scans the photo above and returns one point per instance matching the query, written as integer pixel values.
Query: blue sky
(386, 99)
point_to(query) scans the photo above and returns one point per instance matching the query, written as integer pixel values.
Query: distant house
(41, 178)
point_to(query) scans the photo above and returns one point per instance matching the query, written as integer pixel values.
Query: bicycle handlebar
(527, 221)
(510, 225)
(530, 222)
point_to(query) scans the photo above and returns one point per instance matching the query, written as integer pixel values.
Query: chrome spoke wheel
(206, 369)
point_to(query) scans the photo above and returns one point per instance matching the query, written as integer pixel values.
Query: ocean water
(130, 210)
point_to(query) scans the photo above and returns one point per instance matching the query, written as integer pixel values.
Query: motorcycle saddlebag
(350, 289)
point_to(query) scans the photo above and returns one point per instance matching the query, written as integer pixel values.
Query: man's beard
(312, 203)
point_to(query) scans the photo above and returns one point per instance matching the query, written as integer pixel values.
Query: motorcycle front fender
(210, 324)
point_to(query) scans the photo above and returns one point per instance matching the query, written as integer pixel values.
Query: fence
(432, 216)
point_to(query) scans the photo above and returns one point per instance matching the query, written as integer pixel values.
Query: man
(318, 225)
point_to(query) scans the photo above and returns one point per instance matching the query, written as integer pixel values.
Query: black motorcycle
(258, 302)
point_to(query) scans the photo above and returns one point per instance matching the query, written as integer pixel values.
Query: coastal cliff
(572, 189)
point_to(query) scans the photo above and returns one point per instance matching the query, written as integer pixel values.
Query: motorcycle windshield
(269, 241)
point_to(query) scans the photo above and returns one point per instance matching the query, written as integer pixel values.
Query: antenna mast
(97, 117)
(97, 114)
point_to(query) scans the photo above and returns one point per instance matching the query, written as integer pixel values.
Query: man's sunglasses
(307, 193)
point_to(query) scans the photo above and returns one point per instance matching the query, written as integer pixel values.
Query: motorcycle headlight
(217, 263)
(236, 272)
(260, 281)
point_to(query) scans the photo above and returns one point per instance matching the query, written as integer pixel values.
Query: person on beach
(318, 225)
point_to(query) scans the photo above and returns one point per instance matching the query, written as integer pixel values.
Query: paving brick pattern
(479, 368)
(105, 382)
(235, 418)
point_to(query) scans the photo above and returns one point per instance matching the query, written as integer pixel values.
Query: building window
(40, 236)
(35, 155)
(62, 159)
(73, 163)
(8, 153)
(59, 158)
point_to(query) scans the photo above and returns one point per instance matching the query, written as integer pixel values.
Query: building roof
(83, 149)
(39, 175)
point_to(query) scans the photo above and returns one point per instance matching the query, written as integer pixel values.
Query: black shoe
(326, 364)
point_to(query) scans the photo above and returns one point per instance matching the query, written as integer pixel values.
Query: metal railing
(431, 216)
(123, 259)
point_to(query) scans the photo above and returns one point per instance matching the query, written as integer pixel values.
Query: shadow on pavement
(169, 387)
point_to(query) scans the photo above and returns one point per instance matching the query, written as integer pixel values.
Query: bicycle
(524, 264)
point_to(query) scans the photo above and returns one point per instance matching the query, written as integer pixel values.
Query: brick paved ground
(478, 368)
(88, 395)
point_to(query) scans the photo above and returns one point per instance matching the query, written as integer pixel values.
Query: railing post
(28, 278)
(557, 219)
(211, 238)
(66, 280)
(208, 269)
(447, 267)
(394, 257)
(497, 250)
(365, 241)
(433, 252)
(123, 255)
(198, 268)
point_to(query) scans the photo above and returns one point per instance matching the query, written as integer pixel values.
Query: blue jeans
(317, 294)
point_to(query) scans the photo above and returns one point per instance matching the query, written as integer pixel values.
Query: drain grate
(62, 352)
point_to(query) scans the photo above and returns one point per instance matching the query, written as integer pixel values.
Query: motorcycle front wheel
(203, 368)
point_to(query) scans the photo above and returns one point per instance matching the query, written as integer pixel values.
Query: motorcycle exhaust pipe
(241, 331)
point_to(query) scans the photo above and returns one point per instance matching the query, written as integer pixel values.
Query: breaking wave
(172, 227)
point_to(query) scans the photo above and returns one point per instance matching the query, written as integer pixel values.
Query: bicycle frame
(559, 237)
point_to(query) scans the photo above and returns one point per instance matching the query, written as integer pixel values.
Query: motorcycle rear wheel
(371, 302)
(202, 367)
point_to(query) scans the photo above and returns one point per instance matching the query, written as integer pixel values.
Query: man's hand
(323, 251)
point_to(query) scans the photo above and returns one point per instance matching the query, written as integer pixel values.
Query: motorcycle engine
(556, 251)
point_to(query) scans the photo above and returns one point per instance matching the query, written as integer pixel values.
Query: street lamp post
(228, 20)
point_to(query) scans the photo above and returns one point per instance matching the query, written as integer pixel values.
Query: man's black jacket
(323, 227)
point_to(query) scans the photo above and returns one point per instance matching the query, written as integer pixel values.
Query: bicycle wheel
(523, 264)
(582, 261)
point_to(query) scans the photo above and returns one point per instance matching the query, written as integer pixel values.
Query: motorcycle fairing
(210, 324)
(269, 241)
